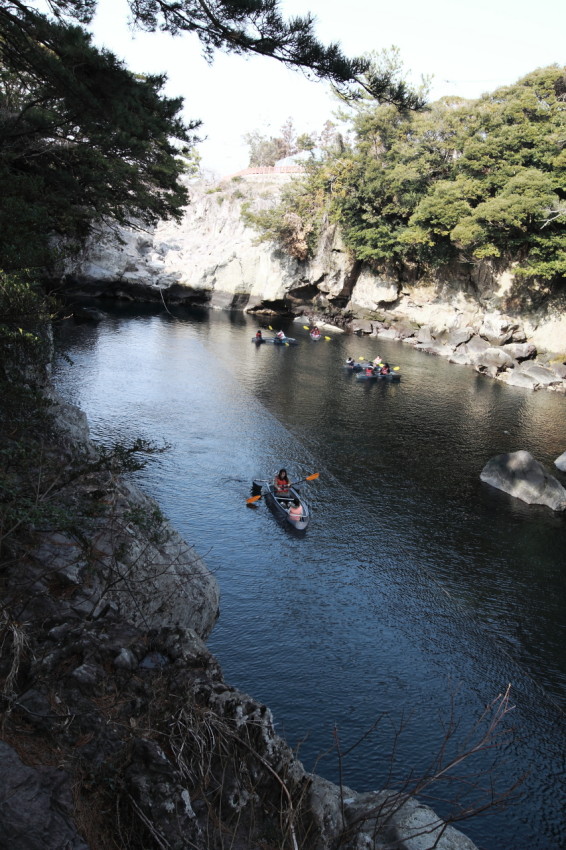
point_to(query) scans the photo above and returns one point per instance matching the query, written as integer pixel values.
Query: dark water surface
(417, 594)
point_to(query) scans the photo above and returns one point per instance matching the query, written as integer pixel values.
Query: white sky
(469, 48)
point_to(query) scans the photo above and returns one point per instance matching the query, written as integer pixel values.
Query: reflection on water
(417, 589)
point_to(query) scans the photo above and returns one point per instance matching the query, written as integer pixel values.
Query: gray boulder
(404, 331)
(515, 378)
(498, 330)
(474, 346)
(424, 335)
(522, 476)
(560, 462)
(542, 376)
(520, 351)
(387, 333)
(398, 821)
(492, 361)
(456, 336)
(460, 357)
(361, 326)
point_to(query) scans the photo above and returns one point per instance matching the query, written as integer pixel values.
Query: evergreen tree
(81, 140)
(461, 180)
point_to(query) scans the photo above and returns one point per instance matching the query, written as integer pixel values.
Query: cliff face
(212, 258)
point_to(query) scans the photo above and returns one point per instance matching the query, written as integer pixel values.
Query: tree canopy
(84, 140)
(465, 180)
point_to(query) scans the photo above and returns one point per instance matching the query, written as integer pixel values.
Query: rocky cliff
(212, 258)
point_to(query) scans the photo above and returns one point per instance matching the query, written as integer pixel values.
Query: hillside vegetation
(463, 180)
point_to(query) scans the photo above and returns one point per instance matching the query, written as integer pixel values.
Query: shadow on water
(416, 591)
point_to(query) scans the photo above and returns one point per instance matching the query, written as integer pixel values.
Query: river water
(416, 595)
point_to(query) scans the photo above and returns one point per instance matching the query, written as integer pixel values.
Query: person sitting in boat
(282, 483)
(258, 335)
(369, 370)
(296, 510)
(385, 369)
(350, 362)
(280, 335)
(377, 361)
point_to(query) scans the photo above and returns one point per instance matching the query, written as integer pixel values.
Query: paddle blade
(312, 477)
(306, 327)
(396, 368)
(253, 499)
(328, 337)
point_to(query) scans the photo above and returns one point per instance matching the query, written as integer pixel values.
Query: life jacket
(296, 511)
(282, 485)
(369, 370)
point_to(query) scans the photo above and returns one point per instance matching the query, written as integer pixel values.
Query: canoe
(280, 504)
(288, 340)
(391, 376)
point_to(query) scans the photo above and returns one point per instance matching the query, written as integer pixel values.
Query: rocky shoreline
(474, 315)
(118, 728)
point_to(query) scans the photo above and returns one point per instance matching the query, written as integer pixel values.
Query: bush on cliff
(462, 180)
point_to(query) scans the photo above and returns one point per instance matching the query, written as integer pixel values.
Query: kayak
(390, 376)
(280, 504)
(287, 340)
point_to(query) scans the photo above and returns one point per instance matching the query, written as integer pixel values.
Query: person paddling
(282, 483)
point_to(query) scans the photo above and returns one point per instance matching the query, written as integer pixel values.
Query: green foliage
(82, 140)
(294, 223)
(460, 180)
(264, 151)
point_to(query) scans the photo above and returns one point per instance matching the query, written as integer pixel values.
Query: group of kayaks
(281, 339)
(289, 506)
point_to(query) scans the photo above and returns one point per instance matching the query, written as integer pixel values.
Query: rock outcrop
(212, 258)
(520, 475)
